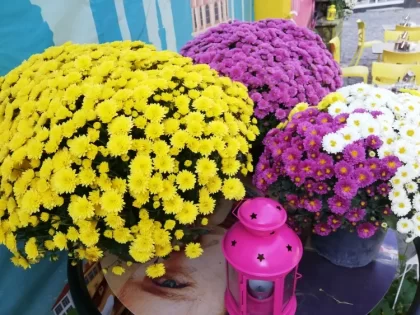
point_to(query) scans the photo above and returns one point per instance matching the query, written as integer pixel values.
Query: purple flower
(346, 188)
(307, 167)
(385, 173)
(281, 114)
(338, 205)
(291, 155)
(383, 189)
(374, 165)
(292, 168)
(373, 142)
(312, 143)
(392, 162)
(320, 188)
(363, 177)
(309, 185)
(366, 230)
(354, 153)
(292, 200)
(289, 63)
(343, 169)
(324, 160)
(322, 229)
(341, 119)
(355, 214)
(324, 119)
(334, 222)
(313, 205)
(370, 191)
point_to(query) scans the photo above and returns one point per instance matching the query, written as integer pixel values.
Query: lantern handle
(234, 211)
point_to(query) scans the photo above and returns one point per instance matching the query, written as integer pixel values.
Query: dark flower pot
(346, 249)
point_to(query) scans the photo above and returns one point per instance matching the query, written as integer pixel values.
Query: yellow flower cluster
(113, 144)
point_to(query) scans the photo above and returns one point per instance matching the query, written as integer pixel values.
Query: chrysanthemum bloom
(281, 64)
(366, 230)
(117, 146)
(332, 158)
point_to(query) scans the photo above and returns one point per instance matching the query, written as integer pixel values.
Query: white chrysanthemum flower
(406, 173)
(397, 109)
(357, 120)
(405, 225)
(345, 91)
(369, 128)
(387, 115)
(416, 230)
(350, 134)
(416, 202)
(360, 89)
(333, 143)
(385, 150)
(337, 108)
(404, 150)
(416, 218)
(411, 108)
(373, 103)
(411, 187)
(401, 206)
(355, 104)
(410, 133)
(397, 192)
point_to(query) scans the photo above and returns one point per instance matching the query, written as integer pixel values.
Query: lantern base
(233, 309)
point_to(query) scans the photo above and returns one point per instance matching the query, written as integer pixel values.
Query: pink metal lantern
(262, 255)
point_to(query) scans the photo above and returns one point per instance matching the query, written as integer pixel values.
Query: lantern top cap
(262, 214)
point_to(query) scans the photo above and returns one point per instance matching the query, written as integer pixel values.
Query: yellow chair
(413, 36)
(389, 73)
(351, 71)
(401, 57)
(407, 28)
(362, 43)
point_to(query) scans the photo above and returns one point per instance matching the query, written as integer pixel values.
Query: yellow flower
(120, 125)
(44, 216)
(230, 166)
(188, 213)
(79, 146)
(206, 167)
(122, 235)
(64, 181)
(155, 185)
(119, 144)
(185, 180)
(171, 126)
(108, 233)
(154, 113)
(31, 201)
(193, 250)
(89, 236)
(81, 208)
(72, 234)
(154, 130)
(93, 253)
(112, 201)
(31, 248)
(114, 221)
(49, 245)
(164, 163)
(233, 189)
(60, 241)
(118, 270)
(179, 139)
(204, 221)
(214, 184)
(86, 176)
(163, 250)
(155, 270)
(106, 110)
(206, 204)
(206, 147)
(169, 224)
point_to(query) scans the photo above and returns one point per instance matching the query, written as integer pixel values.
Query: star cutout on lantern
(234, 243)
(272, 233)
(260, 257)
(279, 208)
(289, 248)
(253, 216)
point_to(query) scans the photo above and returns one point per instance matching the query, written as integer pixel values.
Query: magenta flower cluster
(281, 64)
(345, 189)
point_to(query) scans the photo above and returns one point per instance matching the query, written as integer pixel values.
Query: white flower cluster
(399, 129)
(350, 4)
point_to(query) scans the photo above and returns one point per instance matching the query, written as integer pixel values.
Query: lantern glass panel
(289, 286)
(260, 297)
(233, 283)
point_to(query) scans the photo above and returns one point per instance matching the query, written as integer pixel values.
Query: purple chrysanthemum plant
(281, 64)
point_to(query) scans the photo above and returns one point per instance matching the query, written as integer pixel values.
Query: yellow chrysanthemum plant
(117, 147)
